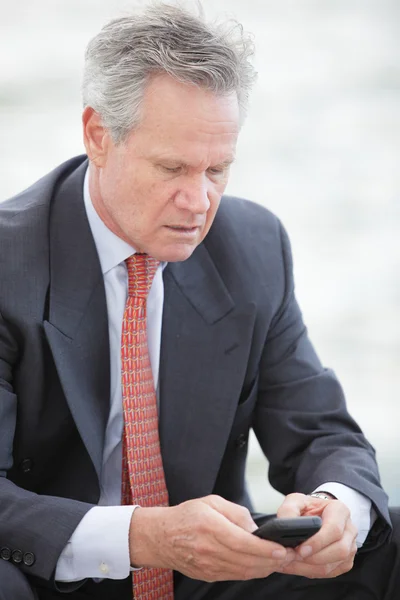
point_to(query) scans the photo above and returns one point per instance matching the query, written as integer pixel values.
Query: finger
(334, 521)
(235, 513)
(303, 569)
(296, 505)
(343, 567)
(338, 551)
(231, 536)
(199, 539)
(328, 571)
(245, 567)
(292, 506)
(208, 557)
(236, 536)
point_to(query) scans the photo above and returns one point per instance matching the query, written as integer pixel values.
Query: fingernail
(279, 554)
(305, 551)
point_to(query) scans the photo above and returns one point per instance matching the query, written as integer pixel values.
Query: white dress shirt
(99, 546)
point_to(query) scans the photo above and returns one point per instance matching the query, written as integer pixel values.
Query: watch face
(322, 495)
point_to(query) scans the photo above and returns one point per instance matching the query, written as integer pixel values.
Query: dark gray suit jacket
(234, 355)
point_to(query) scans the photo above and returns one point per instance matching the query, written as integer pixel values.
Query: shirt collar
(112, 250)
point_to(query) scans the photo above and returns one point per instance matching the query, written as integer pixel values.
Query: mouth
(183, 229)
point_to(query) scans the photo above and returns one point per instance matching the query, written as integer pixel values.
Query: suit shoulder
(37, 196)
(24, 229)
(241, 220)
(248, 242)
(240, 208)
(237, 212)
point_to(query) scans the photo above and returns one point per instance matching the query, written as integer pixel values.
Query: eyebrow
(227, 163)
(181, 163)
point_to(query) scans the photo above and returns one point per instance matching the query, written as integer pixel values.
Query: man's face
(160, 189)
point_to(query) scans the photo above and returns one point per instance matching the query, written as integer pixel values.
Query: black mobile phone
(289, 532)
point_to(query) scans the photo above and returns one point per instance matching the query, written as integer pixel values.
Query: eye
(218, 170)
(171, 169)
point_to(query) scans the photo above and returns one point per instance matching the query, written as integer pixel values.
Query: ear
(95, 136)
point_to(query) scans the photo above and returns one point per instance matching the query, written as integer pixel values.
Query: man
(146, 325)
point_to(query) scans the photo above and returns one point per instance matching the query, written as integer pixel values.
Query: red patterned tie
(143, 480)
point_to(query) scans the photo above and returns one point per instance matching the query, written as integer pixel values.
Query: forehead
(177, 114)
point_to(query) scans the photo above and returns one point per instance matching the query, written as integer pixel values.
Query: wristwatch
(323, 495)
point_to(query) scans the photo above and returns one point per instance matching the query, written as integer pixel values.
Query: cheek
(123, 190)
(113, 187)
(215, 200)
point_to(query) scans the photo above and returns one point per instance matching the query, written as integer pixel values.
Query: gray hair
(128, 51)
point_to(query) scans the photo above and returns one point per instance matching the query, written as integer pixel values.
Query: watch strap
(323, 495)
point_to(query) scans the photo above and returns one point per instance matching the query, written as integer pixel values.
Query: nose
(193, 196)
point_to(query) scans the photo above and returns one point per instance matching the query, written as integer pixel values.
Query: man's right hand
(208, 539)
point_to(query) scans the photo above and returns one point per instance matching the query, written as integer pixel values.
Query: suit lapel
(77, 329)
(205, 343)
(204, 348)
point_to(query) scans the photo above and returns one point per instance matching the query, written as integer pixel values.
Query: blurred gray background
(320, 148)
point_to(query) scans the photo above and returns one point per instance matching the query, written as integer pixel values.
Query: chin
(176, 254)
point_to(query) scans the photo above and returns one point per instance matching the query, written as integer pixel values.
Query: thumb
(293, 506)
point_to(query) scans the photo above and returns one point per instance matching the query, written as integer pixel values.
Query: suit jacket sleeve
(301, 419)
(33, 527)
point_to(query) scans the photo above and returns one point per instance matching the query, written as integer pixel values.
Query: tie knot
(141, 271)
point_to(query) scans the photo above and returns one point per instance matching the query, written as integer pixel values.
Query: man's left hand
(331, 551)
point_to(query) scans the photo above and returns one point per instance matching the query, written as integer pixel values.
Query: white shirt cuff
(362, 513)
(99, 546)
